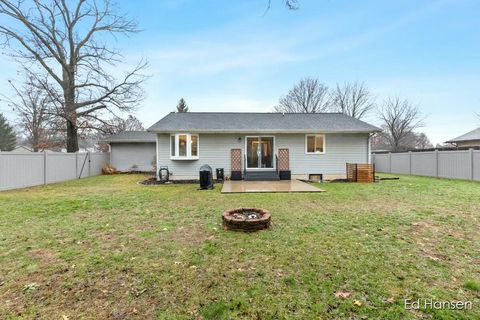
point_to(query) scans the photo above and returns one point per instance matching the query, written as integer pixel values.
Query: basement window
(184, 146)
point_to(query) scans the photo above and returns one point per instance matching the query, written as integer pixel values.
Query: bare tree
(67, 41)
(307, 96)
(32, 106)
(116, 125)
(290, 4)
(113, 126)
(412, 141)
(399, 120)
(353, 99)
(421, 141)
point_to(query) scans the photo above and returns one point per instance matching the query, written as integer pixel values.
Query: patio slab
(268, 186)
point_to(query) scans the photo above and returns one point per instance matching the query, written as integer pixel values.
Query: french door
(260, 152)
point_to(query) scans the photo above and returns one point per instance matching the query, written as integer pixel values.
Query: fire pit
(246, 219)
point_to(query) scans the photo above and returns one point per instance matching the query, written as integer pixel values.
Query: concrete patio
(268, 186)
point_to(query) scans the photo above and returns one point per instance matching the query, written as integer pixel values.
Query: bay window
(184, 146)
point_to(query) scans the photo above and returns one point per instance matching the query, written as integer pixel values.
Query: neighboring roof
(469, 136)
(260, 122)
(22, 149)
(131, 136)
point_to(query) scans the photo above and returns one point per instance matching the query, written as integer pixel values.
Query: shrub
(109, 169)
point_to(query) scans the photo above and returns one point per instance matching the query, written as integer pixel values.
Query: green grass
(106, 247)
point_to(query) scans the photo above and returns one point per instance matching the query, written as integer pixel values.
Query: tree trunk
(72, 138)
(69, 94)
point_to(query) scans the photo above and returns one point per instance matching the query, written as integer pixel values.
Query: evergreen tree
(7, 135)
(182, 106)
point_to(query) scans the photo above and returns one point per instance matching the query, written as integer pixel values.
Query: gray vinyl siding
(125, 156)
(214, 149)
(339, 149)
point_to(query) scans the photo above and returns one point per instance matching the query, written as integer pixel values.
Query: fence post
(76, 164)
(471, 163)
(410, 162)
(45, 173)
(89, 166)
(389, 162)
(436, 163)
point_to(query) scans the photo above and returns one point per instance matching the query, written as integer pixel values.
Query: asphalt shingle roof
(469, 136)
(260, 122)
(131, 136)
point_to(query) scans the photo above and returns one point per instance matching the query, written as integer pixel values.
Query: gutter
(261, 131)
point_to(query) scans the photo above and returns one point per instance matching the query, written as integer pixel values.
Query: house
(22, 149)
(132, 151)
(469, 139)
(253, 146)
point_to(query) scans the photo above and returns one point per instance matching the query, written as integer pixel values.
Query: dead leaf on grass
(138, 293)
(357, 303)
(31, 286)
(343, 294)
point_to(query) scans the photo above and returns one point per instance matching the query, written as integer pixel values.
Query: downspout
(369, 147)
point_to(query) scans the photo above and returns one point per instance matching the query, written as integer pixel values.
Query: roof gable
(469, 136)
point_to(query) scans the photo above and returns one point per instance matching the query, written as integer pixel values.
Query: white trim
(315, 135)
(273, 153)
(188, 146)
(156, 157)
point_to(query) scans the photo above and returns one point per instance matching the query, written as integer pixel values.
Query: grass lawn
(107, 248)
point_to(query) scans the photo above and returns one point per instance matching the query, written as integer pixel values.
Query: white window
(184, 146)
(315, 143)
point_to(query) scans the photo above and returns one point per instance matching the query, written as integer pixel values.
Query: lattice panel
(236, 159)
(283, 160)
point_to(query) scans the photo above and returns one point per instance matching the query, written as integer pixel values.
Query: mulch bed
(153, 181)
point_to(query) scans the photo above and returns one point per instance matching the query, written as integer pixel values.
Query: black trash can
(220, 174)
(206, 177)
(163, 174)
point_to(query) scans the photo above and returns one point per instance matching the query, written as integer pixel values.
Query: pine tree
(8, 138)
(182, 106)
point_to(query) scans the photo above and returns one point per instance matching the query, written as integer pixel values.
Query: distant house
(469, 139)
(22, 149)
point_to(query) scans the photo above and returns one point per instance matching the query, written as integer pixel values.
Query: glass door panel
(260, 152)
(253, 155)
(266, 157)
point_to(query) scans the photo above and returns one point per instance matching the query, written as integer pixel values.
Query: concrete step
(261, 176)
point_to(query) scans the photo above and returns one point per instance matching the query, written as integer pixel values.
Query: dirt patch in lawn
(46, 257)
(187, 236)
(426, 234)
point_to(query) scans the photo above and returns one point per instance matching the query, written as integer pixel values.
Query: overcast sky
(232, 56)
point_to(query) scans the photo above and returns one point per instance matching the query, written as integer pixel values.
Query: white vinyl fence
(458, 164)
(20, 170)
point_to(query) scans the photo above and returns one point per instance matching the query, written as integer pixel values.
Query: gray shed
(132, 151)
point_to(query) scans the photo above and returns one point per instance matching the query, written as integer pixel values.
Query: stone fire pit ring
(246, 219)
